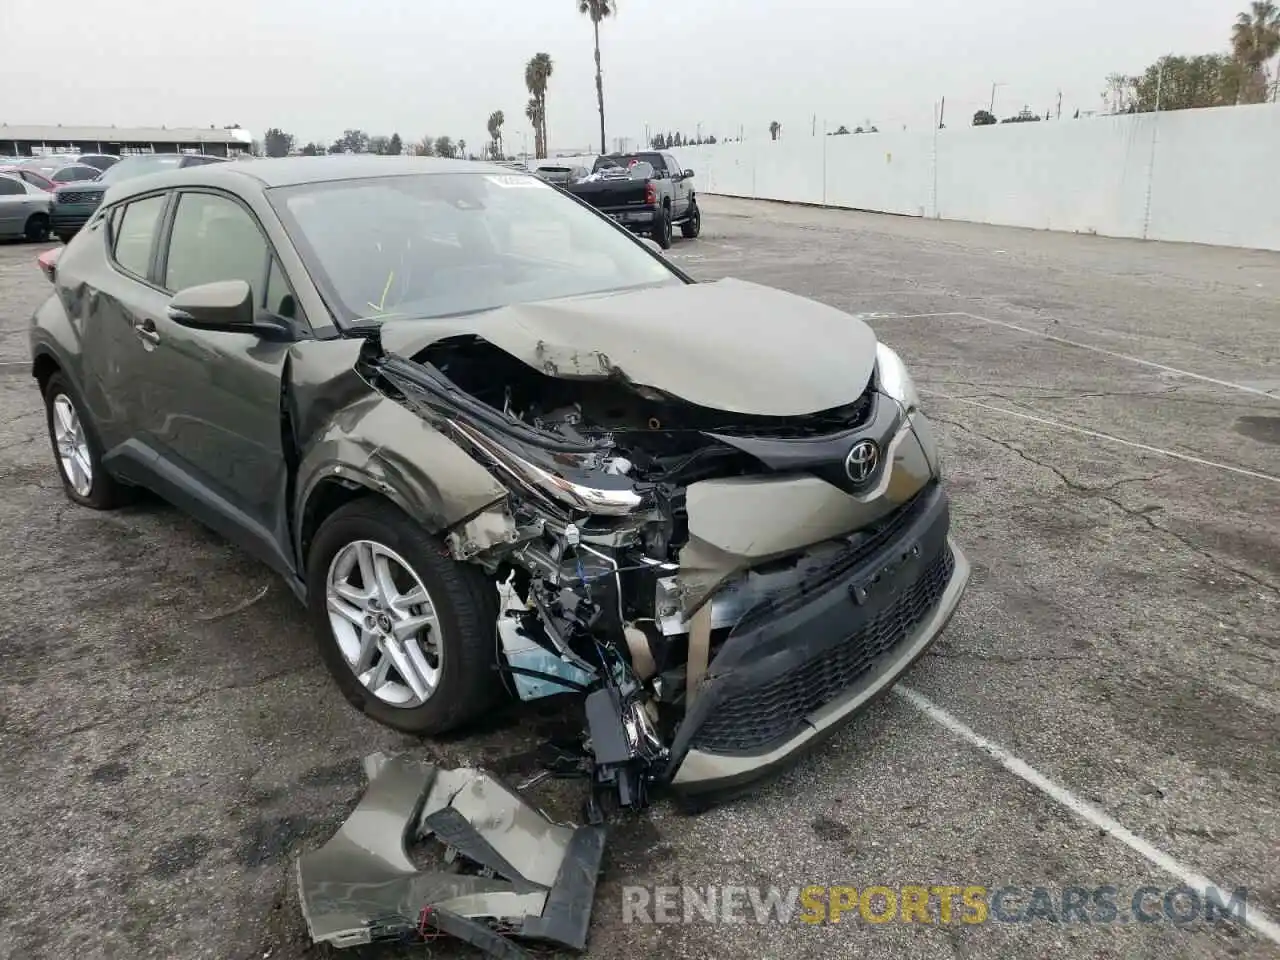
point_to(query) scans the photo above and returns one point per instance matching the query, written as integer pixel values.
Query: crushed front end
(721, 587)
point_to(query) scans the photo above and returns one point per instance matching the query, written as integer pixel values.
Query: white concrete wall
(1203, 176)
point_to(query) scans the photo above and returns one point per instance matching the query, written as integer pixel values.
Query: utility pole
(992, 108)
(942, 112)
(699, 136)
(813, 129)
(1059, 116)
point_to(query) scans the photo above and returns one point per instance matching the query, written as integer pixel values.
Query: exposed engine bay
(607, 591)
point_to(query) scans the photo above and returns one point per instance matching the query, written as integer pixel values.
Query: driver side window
(213, 239)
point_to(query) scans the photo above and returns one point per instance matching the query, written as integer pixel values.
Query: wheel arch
(43, 366)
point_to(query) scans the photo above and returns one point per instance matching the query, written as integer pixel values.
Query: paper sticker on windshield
(512, 180)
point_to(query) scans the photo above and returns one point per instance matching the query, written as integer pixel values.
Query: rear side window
(9, 186)
(133, 233)
(213, 239)
(72, 174)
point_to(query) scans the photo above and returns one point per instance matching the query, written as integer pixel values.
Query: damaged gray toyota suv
(499, 446)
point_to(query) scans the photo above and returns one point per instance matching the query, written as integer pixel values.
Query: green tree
(537, 73)
(277, 143)
(496, 120)
(775, 128)
(426, 147)
(395, 146)
(984, 118)
(1184, 83)
(312, 149)
(599, 10)
(351, 141)
(380, 145)
(444, 146)
(1255, 39)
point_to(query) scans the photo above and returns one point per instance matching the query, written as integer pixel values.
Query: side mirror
(226, 305)
(688, 173)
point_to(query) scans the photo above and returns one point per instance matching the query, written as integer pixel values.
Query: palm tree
(531, 110)
(537, 72)
(1255, 39)
(496, 120)
(598, 10)
(462, 149)
(775, 128)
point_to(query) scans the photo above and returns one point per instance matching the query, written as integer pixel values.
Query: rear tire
(462, 643)
(76, 450)
(661, 232)
(693, 225)
(37, 229)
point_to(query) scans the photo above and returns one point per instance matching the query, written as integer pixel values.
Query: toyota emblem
(862, 461)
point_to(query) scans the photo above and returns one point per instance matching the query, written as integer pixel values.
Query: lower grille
(756, 719)
(79, 197)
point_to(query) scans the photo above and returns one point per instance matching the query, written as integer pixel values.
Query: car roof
(265, 173)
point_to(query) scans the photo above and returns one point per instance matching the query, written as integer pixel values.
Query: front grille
(758, 718)
(79, 197)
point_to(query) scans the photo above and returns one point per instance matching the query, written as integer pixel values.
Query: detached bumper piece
(507, 872)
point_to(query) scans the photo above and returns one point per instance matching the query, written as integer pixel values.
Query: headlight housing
(893, 379)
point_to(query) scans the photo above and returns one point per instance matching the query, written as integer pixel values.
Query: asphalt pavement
(1100, 714)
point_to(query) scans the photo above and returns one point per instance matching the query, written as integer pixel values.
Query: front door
(13, 207)
(212, 399)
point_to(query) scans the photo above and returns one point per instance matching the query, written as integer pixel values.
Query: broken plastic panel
(513, 872)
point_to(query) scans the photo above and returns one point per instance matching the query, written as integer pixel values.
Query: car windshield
(137, 166)
(434, 245)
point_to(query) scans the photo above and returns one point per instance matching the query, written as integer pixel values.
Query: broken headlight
(578, 481)
(894, 380)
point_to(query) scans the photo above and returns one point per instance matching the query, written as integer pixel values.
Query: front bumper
(780, 684)
(68, 218)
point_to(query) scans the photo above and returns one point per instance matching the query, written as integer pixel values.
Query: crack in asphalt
(166, 707)
(1140, 513)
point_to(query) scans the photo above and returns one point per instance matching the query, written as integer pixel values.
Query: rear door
(113, 258)
(213, 398)
(681, 188)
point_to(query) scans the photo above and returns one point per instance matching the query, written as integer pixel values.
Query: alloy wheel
(384, 622)
(73, 448)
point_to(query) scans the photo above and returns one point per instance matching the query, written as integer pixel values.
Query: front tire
(408, 633)
(76, 450)
(37, 228)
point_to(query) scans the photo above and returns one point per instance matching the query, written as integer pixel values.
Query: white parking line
(1165, 368)
(1252, 916)
(1162, 367)
(1072, 428)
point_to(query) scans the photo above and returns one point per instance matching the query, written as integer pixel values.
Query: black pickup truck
(646, 192)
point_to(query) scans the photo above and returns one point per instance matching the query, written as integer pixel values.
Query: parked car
(30, 176)
(561, 174)
(75, 173)
(101, 161)
(645, 192)
(74, 203)
(24, 209)
(492, 440)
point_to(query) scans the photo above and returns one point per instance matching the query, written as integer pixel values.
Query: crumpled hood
(730, 345)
